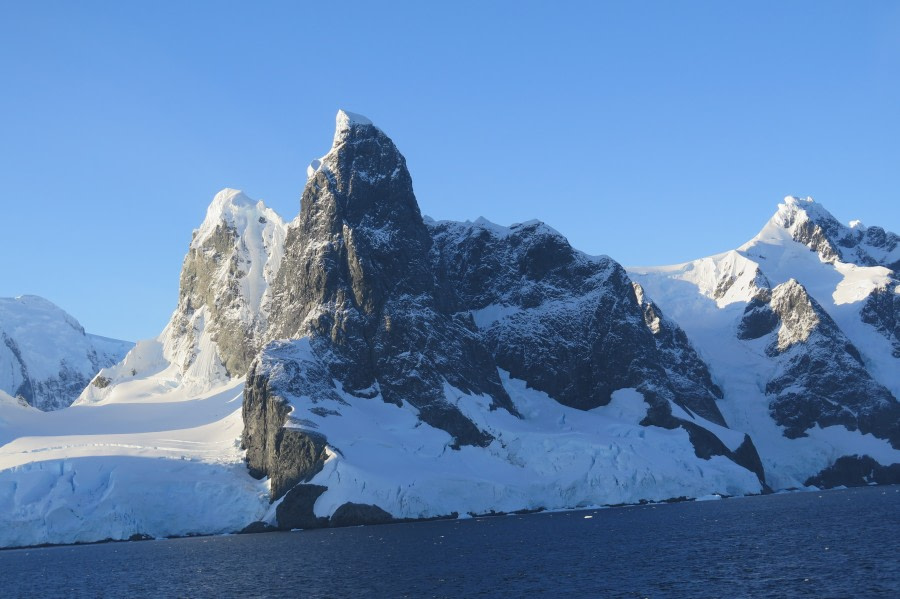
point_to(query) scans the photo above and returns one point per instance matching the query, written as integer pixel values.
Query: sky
(653, 132)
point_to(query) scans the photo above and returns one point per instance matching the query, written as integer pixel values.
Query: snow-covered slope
(160, 462)
(46, 357)
(380, 460)
(798, 328)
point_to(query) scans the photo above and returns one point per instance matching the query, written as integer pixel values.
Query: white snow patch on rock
(488, 315)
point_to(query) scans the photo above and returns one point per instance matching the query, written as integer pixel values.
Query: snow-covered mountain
(46, 358)
(474, 354)
(221, 319)
(799, 328)
(220, 322)
(152, 445)
(363, 363)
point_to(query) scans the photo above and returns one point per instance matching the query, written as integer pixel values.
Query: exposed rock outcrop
(758, 319)
(821, 379)
(813, 226)
(287, 455)
(354, 514)
(296, 510)
(568, 324)
(856, 471)
(882, 310)
(221, 320)
(787, 331)
(356, 280)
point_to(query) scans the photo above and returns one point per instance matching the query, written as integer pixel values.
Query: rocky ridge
(391, 308)
(220, 323)
(393, 367)
(821, 379)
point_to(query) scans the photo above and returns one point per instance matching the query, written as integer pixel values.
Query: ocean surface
(840, 543)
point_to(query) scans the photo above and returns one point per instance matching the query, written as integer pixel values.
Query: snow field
(554, 457)
(686, 293)
(152, 457)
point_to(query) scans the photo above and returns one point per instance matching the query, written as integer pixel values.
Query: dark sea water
(842, 543)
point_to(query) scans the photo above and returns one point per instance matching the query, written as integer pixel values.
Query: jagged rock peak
(235, 210)
(358, 220)
(809, 223)
(346, 122)
(792, 304)
(357, 280)
(348, 127)
(794, 207)
(220, 320)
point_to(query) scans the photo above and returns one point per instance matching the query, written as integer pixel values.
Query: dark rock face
(210, 278)
(356, 280)
(221, 320)
(570, 325)
(824, 234)
(856, 471)
(287, 455)
(706, 444)
(821, 378)
(256, 528)
(25, 390)
(67, 385)
(747, 456)
(296, 509)
(882, 310)
(813, 236)
(758, 320)
(359, 226)
(687, 372)
(52, 393)
(355, 514)
(558, 351)
(876, 240)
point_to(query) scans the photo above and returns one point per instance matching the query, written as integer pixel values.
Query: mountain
(365, 364)
(151, 446)
(46, 358)
(221, 318)
(798, 327)
(415, 365)
(220, 321)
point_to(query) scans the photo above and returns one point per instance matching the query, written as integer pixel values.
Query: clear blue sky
(652, 132)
